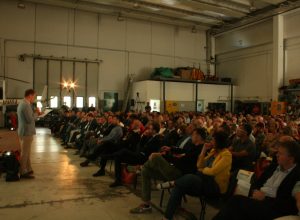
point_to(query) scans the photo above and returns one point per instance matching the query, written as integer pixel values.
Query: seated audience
(272, 192)
(212, 178)
(149, 144)
(130, 142)
(259, 138)
(102, 135)
(167, 165)
(107, 144)
(243, 149)
(170, 136)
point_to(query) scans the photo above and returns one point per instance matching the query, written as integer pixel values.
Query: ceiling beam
(131, 9)
(176, 9)
(272, 2)
(257, 16)
(225, 4)
(114, 11)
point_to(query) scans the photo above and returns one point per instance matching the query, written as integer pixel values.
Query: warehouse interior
(190, 59)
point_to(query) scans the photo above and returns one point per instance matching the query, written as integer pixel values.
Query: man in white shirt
(272, 197)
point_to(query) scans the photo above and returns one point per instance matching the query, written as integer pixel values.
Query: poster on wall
(171, 106)
(200, 105)
(110, 101)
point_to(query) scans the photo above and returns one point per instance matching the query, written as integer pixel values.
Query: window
(39, 103)
(79, 102)
(67, 101)
(155, 105)
(92, 101)
(53, 102)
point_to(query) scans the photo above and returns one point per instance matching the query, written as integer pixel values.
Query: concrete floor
(63, 190)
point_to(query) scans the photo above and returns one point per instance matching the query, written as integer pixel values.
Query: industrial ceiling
(217, 15)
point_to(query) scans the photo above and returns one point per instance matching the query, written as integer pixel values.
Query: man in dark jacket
(107, 143)
(170, 167)
(272, 194)
(85, 133)
(149, 144)
(130, 142)
(170, 135)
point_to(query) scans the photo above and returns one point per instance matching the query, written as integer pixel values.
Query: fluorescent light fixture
(169, 2)
(213, 13)
(201, 19)
(153, 8)
(21, 5)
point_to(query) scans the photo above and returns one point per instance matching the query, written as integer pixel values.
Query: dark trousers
(193, 185)
(104, 148)
(241, 207)
(128, 157)
(109, 149)
(87, 146)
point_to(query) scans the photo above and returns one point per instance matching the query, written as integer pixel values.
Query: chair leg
(185, 199)
(203, 208)
(135, 182)
(161, 198)
(110, 167)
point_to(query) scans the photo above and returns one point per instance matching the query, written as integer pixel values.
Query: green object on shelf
(162, 71)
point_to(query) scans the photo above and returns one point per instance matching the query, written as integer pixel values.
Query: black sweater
(149, 145)
(188, 163)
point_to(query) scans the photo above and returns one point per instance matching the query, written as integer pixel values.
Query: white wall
(292, 45)
(215, 93)
(125, 47)
(245, 55)
(182, 92)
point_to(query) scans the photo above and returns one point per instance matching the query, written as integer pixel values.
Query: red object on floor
(13, 121)
(127, 177)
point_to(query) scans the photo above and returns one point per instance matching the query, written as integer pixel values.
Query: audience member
(272, 192)
(243, 149)
(167, 165)
(213, 174)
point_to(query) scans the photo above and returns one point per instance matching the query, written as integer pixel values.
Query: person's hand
(178, 155)
(207, 147)
(258, 195)
(153, 155)
(166, 148)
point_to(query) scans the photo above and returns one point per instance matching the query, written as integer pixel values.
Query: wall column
(278, 56)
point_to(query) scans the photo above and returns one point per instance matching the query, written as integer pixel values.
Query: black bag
(1, 164)
(11, 167)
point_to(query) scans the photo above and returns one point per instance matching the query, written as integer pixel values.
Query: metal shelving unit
(197, 84)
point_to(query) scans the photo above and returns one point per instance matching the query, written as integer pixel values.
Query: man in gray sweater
(26, 130)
